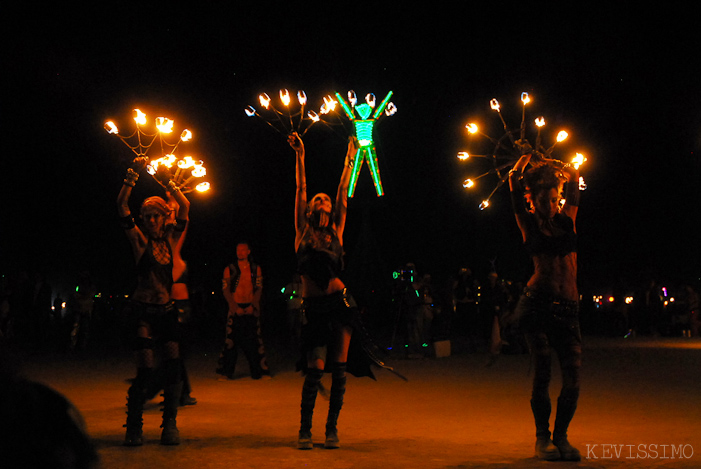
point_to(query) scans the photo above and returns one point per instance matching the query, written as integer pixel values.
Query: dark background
(624, 82)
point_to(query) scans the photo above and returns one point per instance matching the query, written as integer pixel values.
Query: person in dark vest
(242, 286)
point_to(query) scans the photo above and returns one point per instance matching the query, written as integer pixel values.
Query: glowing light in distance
(390, 109)
(525, 98)
(494, 104)
(202, 187)
(463, 155)
(562, 135)
(250, 112)
(313, 116)
(629, 300)
(484, 204)
(186, 135)
(468, 184)
(472, 128)
(302, 97)
(540, 121)
(370, 99)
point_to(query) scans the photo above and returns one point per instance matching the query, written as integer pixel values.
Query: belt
(549, 299)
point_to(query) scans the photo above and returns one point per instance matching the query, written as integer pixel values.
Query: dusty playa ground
(639, 407)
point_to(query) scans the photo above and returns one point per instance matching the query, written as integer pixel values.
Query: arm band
(127, 222)
(180, 225)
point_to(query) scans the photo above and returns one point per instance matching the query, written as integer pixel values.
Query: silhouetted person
(242, 287)
(39, 427)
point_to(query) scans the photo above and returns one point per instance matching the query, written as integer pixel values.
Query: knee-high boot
(566, 407)
(544, 447)
(309, 392)
(171, 399)
(338, 389)
(136, 396)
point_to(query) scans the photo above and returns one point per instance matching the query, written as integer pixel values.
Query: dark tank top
(320, 256)
(150, 272)
(539, 243)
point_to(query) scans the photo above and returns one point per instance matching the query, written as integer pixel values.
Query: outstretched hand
(295, 142)
(139, 163)
(353, 146)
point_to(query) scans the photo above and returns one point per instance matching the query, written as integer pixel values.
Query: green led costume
(364, 122)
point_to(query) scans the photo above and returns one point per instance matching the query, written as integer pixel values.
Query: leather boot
(136, 396)
(309, 392)
(134, 425)
(338, 390)
(171, 398)
(566, 407)
(331, 441)
(544, 447)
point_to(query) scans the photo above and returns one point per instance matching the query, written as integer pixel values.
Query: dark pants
(552, 325)
(243, 331)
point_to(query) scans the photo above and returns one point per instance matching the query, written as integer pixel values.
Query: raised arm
(134, 235)
(181, 224)
(181, 215)
(183, 212)
(571, 192)
(517, 193)
(342, 195)
(301, 195)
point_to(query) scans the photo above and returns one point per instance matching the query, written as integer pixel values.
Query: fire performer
(180, 295)
(329, 312)
(549, 309)
(151, 310)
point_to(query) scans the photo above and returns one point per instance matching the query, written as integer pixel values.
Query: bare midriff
(555, 276)
(311, 289)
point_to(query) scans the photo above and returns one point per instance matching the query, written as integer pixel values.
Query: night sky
(624, 84)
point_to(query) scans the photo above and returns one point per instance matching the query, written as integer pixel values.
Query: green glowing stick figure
(364, 123)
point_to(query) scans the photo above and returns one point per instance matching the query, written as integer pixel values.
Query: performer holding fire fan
(151, 312)
(548, 309)
(329, 312)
